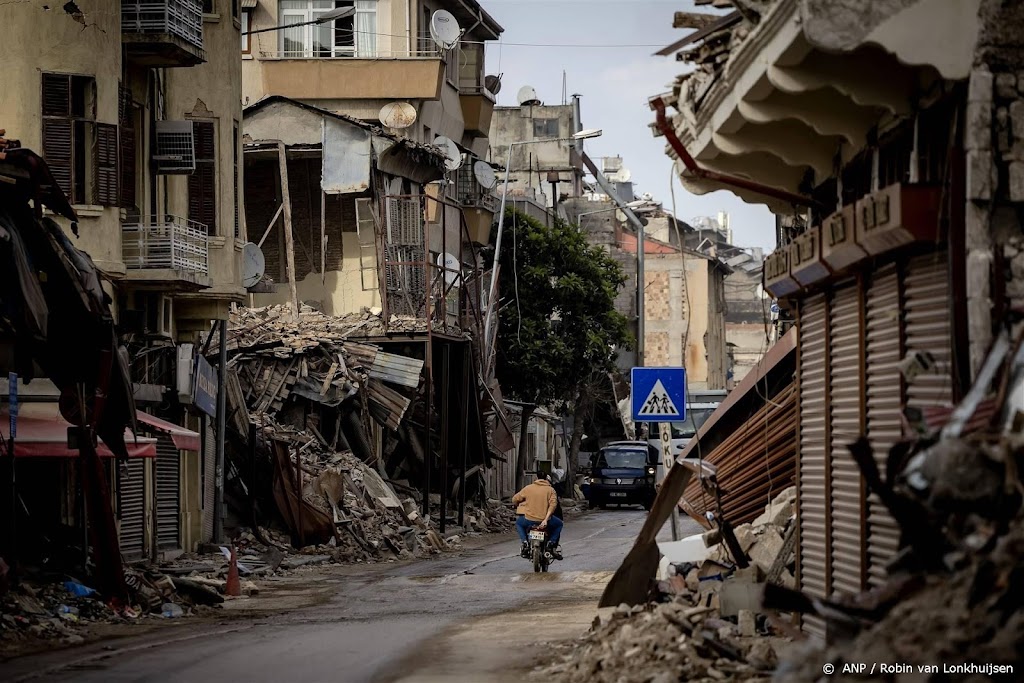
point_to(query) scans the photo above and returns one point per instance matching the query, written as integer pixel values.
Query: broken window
(202, 184)
(351, 36)
(545, 128)
(81, 153)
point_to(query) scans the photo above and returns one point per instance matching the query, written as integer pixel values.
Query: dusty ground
(468, 618)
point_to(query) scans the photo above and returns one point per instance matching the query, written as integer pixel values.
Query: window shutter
(126, 160)
(202, 184)
(56, 95)
(105, 167)
(57, 145)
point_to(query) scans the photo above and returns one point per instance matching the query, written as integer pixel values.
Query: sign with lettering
(204, 387)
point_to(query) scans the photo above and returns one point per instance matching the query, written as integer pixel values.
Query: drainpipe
(665, 126)
(408, 26)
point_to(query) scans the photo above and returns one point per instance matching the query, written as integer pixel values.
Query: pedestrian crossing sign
(658, 394)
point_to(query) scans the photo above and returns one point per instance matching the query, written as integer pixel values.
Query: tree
(557, 325)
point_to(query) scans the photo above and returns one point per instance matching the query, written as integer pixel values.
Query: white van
(699, 407)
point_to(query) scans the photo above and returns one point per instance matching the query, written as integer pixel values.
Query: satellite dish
(452, 268)
(444, 29)
(527, 96)
(623, 176)
(620, 216)
(493, 84)
(485, 174)
(397, 115)
(253, 265)
(453, 156)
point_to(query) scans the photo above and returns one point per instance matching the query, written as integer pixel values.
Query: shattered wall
(994, 144)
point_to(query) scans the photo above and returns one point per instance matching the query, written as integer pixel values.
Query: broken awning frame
(46, 436)
(184, 439)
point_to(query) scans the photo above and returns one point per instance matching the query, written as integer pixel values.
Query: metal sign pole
(666, 457)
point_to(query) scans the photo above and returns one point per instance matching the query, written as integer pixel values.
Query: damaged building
(136, 111)
(887, 138)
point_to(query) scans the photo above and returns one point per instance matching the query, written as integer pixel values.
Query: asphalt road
(465, 618)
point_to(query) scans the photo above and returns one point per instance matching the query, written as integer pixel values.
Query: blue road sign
(658, 394)
(204, 387)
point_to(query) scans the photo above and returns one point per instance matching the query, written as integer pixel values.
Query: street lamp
(339, 13)
(492, 291)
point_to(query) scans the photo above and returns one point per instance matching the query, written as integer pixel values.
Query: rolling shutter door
(845, 333)
(209, 461)
(812, 472)
(168, 497)
(926, 291)
(883, 407)
(131, 507)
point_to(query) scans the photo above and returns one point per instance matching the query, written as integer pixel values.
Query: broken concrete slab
(767, 548)
(737, 596)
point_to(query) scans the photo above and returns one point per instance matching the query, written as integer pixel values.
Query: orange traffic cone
(234, 584)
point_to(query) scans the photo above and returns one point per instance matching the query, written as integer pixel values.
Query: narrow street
(453, 619)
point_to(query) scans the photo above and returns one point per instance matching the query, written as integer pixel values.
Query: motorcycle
(538, 549)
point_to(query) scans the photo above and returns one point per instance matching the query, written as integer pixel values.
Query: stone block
(1016, 114)
(745, 537)
(766, 549)
(747, 623)
(1016, 181)
(980, 86)
(737, 596)
(978, 133)
(979, 175)
(1006, 86)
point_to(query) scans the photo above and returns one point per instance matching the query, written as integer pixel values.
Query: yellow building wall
(37, 40)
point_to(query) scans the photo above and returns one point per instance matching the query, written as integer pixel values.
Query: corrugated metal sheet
(168, 496)
(926, 292)
(884, 392)
(131, 505)
(209, 472)
(811, 457)
(401, 370)
(845, 335)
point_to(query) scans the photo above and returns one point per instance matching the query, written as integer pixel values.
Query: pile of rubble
(705, 623)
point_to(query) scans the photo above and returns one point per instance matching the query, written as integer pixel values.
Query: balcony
(163, 33)
(477, 109)
(173, 252)
(478, 206)
(418, 76)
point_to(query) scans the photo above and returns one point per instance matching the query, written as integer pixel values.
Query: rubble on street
(704, 622)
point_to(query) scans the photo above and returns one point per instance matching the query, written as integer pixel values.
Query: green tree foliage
(557, 325)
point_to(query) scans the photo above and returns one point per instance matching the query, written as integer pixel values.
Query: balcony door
(352, 36)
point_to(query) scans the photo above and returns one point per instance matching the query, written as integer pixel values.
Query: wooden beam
(289, 245)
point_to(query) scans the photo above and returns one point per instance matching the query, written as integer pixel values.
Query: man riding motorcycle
(537, 503)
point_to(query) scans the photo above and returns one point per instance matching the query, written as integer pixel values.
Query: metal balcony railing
(181, 18)
(174, 243)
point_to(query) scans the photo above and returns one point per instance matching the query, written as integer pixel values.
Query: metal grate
(175, 148)
(175, 243)
(131, 504)
(168, 528)
(181, 18)
(405, 280)
(405, 222)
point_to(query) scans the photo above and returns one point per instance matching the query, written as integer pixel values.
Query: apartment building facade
(136, 108)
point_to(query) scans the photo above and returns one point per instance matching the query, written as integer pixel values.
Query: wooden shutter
(202, 184)
(847, 542)
(884, 396)
(127, 151)
(58, 142)
(812, 456)
(56, 95)
(105, 173)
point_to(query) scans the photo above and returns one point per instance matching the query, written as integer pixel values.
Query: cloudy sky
(615, 77)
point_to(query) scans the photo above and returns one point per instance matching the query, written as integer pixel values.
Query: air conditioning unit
(175, 152)
(183, 374)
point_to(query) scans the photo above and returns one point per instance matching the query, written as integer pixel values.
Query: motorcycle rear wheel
(536, 559)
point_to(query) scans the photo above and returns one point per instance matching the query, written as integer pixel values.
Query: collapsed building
(887, 140)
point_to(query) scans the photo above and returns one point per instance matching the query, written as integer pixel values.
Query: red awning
(46, 435)
(184, 439)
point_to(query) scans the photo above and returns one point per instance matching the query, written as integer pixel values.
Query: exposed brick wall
(657, 348)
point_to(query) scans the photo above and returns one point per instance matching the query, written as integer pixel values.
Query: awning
(184, 439)
(46, 435)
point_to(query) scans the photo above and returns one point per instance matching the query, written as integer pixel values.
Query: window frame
(79, 118)
(546, 134)
(244, 26)
(361, 48)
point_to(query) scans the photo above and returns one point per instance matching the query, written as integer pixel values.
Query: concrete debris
(706, 623)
